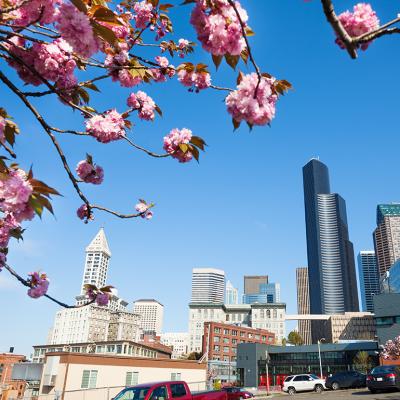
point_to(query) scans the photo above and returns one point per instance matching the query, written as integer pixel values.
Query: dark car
(235, 393)
(383, 378)
(347, 379)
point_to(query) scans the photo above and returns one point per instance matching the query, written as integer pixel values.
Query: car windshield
(383, 369)
(314, 376)
(133, 393)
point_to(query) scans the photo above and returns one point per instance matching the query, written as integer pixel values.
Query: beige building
(387, 236)
(123, 348)
(303, 303)
(69, 376)
(252, 283)
(151, 314)
(347, 326)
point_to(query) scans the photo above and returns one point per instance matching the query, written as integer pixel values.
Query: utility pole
(319, 355)
(267, 370)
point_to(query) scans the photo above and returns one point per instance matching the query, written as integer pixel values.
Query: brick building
(8, 387)
(221, 339)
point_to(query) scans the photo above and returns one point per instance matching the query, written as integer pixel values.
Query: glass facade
(387, 210)
(331, 268)
(268, 293)
(369, 278)
(390, 283)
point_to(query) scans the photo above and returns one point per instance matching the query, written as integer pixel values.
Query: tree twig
(150, 153)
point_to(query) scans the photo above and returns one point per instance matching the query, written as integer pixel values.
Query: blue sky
(241, 209)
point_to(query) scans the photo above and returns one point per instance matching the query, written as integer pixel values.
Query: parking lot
(351, 394)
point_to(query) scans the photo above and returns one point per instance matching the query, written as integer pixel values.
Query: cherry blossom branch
(47, 129)
(381, 31)
(23, 36)
(337, 26)
(115, 213)
(22, 27)
(221, 88)
(9, 150)
(26, 283)
(150, 153)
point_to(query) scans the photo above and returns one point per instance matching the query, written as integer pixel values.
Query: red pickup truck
(168, 390)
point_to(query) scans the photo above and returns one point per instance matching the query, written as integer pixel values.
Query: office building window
(132, 378)
(89, 379)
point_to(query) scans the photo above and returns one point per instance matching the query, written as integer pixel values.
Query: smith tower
(331, 271)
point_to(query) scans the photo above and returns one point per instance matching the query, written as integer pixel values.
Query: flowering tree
(47, 42)
(391, 349)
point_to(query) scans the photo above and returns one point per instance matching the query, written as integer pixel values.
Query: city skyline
(241, 209)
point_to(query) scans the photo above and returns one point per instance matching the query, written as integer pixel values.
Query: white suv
(302, 383)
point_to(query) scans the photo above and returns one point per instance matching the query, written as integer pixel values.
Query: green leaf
(244, 55)
(89, 158)
(165, 7)
(105, 14)
(198, 141)
(41, 187)
(217, 60)
(45, 203)
(106, 289)
(92, 86)
(80, 5)
(240, 77)
(184, 147)
(249, 31)
(236, 124)
(232, 61)
(194, 150)
(106, 34)
(84, 95)
(158, 109)
(36, 205)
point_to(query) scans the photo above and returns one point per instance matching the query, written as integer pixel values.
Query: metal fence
(101, 393)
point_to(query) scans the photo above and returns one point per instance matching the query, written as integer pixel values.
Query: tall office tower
(303, 303)
(387, 236)
(267, 293)
(231, 294)
(369, 279)
(252, 283)
(97, 259)
(208, 286)
(151, 315)
(331, 268)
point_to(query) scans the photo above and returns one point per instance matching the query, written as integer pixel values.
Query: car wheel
(319, 388)
(373, 391)
(335, 386)
(291, 391)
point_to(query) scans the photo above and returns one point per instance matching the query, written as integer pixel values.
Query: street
(351, 394)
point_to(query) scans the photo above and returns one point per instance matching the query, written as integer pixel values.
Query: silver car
(303, 383)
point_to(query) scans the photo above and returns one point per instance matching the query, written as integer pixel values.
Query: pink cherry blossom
(143, 208)
(7, 224)
(83, 212)
(143, 103)
(391, 349)
(196, 80)
(90, 173)
(3, 260)
(172, 142)
(144, 13)
(362, 20)
(43, 11)
(102, 298)
(106, 127)
(75, 28)
(242, 105)
(15, 192)
(218, 28)
(39, 285)
(114, 62)
(162, 61)
(182, 44)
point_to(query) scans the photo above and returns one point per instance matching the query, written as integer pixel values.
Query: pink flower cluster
(242, 104)
(166, 69)
(143, 103)
(101, 298)
(182, 44)
(218, 28)
(83, 213)
(89, 172)
(196, 80)
(392, 349)
(121, 59)
(15, 192)
(43, 11)
(75, 28)
(362, 20)
(53, 61)
(39, 285)
(172, 142)
(143, 208)
(143, 14)
(106, 127)
(2, 127)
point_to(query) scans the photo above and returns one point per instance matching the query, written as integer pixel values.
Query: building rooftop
(387, 210)
(148, 301)
(99, 244)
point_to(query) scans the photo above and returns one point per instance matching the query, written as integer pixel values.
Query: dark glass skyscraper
(331, 267)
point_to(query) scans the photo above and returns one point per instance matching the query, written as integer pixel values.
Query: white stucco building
(179, 341)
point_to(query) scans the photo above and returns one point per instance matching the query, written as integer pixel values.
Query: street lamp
(319, 355)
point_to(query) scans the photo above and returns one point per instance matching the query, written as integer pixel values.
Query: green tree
(284, 342)
(362, 361)
(295, 338)
(194, 356)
